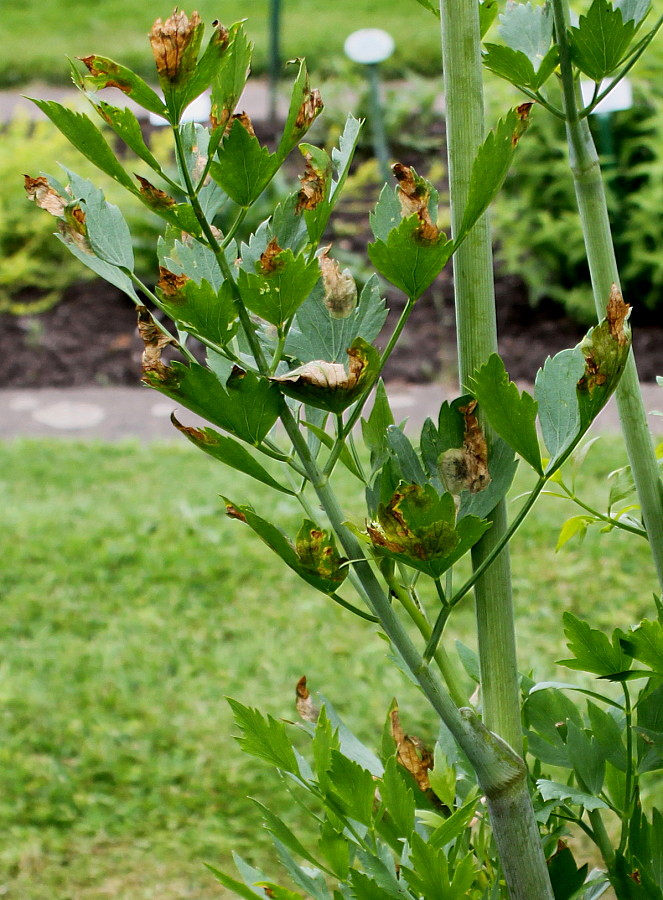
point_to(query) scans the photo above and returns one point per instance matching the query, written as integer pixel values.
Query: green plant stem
(601, 837)
(445, 664)
(629, 781)
(590, 194)
(477, 339)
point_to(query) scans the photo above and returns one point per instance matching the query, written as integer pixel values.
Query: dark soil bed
(90, 338)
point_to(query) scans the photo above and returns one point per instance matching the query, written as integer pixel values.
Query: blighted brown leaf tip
(269, 260)
(340, 296)
(169, 283)
(194, 433)
(313, 186)
(310, 109)
(414, 195)
(46, 197)
(154, 196)
(154, 340)
(303, 703)
(411, 752)
(175, 44)
(618, 312)
(235, 513)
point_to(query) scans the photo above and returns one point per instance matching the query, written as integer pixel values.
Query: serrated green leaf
(264, 738)
(278, 892)
(199, 309)
(239, 888)
(398, 798)
(491, 166)
(246, 406)
(408, 260)
(190, 258)
(282, 833)
(125, 124)
(402, 451)
(511, 414)
(228, 451)
(387, 214)
(319, 335)
(243, 168)
(102, 269)
(511, 65)
(314, 557)
(206, 70)
(105, 72)
(276, 290)
(634, 10)
(586, 757)
(288, 226)
(645, 643)
(601, 40)
(107, 231)
(552, 790)
(335, 849)
(87, 139)
(608, 735)
(593, 651)
(455, 825)
(353, 786)
(374, 429)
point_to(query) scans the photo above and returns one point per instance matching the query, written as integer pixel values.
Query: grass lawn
(36, 37)
(131, 606)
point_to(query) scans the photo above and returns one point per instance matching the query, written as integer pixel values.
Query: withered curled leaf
(154, 340)
(307, 710)
(154, 196)
(411, 753)
(175, 45)
(466, 468)
(244, 119)
(169, 283)
(414, 195)
(45, 196)
(317, 553)
(313, 185)
(269, 259)
(310, 109)
(618, 312)
(340, 295)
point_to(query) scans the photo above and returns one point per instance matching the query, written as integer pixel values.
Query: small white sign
(369, 46)
(620, 97)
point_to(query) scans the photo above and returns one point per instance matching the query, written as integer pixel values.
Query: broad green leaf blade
(574, 527)
(454, 826)
(246, 406)
(319, 335)
(103, 269)
(374, 429)
(633, 10)
(282, 833)
(190, 258)
(207, 68)
(405, 457)
(565, 877)
(280, 284)
(237, 887)
(228, 451)
(387, 214)
(528, 29)
(510, 413)
(555, 393)
(107, 230)
(491, 165)
(353, 786)
(601, 40)
(515, 67)
(409, 259)
(592, 650)
(645, 643)
(586, 758)
(264, 738)
(314, 558)
(552, 790)
(106, 72)
(244, 168)
(87, 139)
(488, 10)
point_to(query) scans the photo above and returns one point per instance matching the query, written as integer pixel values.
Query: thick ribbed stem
(593, 209)
(477, 339)
(512, 816)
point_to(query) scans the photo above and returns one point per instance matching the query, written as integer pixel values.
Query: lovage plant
(291, 362)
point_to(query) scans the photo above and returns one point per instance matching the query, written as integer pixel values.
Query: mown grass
(36, 38)
(131, 607)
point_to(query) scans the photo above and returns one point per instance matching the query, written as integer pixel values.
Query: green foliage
(535, 218)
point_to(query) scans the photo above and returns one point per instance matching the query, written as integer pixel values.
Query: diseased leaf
(305, 106)
(601, 40)
(280, 284)
(319, 335)
(230, 79)
(198, 308)
(246, 406)
(411, 753)
(417, 527)
(510, 413)
(306, 709)
(592, 650)
(408, 260)
(314, 557)
(328, 385)
(106, 72)
(189, 257)
(491, 165)
(228, 451)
